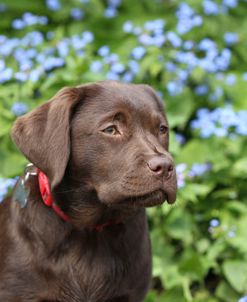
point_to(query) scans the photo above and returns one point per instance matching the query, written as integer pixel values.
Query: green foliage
(199, 244)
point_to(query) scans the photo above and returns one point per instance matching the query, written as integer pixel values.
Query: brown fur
(96, 175)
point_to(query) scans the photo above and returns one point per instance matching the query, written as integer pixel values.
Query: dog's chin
(143, 201)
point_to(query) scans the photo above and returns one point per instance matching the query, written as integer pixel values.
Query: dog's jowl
(75, 227)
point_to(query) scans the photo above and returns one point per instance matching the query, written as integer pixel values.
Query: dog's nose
(160, 166)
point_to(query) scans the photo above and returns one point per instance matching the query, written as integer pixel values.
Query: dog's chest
(94, 281)
(101, 272)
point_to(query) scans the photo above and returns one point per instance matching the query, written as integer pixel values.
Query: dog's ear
(43, 135)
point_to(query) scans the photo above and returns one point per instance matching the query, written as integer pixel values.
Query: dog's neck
(85, 209)
(80, 204)
(46, 234)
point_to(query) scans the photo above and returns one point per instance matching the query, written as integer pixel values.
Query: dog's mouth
(147, 200)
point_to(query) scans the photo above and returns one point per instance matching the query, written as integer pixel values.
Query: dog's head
(107, 137)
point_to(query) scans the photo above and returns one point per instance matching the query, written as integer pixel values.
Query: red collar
(48, 200)
(45, 191)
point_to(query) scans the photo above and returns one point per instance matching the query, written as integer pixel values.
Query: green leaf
(192, 265)
(173, 295)
(235, 272)
(179, 225)
(199, 151)
(178, 110)
(226, 293)
(240, 168)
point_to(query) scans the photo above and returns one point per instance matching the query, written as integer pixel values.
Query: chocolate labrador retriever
(75, 229)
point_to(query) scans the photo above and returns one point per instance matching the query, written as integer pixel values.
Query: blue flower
(3, 7)
(35, 75)
(104, 51)
(3, 39)
(76, 13)
(31, 19)
(232, 234)
(134, 66)
(127, 77)
(188, 58)
(201, 90)
(112, 76)
(223, 60)
(137, 31)
(217, 94)
(182, 74)
(188, 45)
(207, 45)
(138, 52)
(19, 108)
(6, 75)
(117, 68)
(210, 7)
(197, 21)
(152, 40)
(245, 76)
(180, 138)
(21, 76)
(243, 299)
(170, 66)
(53, 62)
(154, 25)
(114, 3)
(96, 66)
(220, 122)
(231, 38)
(241, 125)
(63, 48)
(18, 24)
(77, 42)
(151, 35)
(128, 27)
(8, 45)
(33, 38)
(53, 5)
(199, 169)
(110, 12)
(174, 39)
(2, 65)
(187, 18)
(231, 79)
(88, 37)
(184, 11)
(5, 184)
(111, 58)
(214, 223)
(174, 87)
(25, 64)
(31, 53)
(230, 3)
(180, 171)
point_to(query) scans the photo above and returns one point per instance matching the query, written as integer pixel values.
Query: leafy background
(194, 55)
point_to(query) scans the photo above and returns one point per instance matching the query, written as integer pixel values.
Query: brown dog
(104, 149)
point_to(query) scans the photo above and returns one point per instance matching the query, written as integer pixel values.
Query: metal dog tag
(21, 193)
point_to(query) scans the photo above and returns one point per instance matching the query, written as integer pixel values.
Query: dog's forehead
(113, 96)
(134, 96)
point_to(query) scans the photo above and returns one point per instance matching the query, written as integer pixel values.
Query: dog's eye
(163, 129)
(112, 130)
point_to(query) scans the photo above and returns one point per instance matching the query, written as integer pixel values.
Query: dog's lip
(171, 196)
(151, 199)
